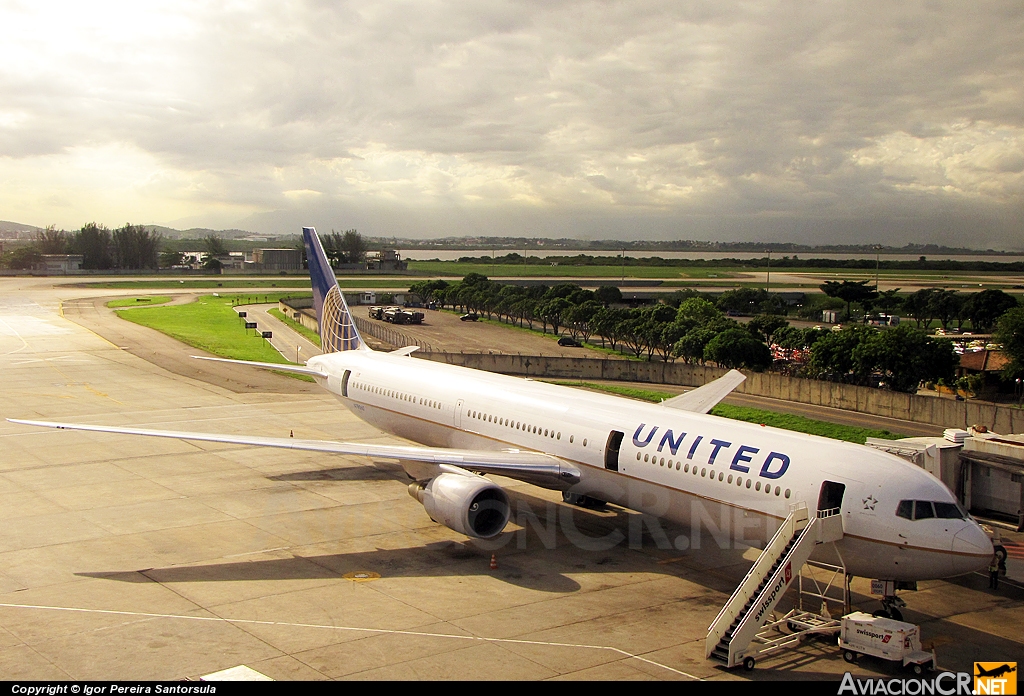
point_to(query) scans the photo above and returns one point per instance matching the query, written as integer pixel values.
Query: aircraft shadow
(552, 542)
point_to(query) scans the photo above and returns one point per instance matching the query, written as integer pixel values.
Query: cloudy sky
(868, 121)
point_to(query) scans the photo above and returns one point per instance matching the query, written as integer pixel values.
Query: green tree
(746, 301)
(353, 247)
(169, 258)
(919, 307)
(1010, 333)
(764, 326)
(606, 324)
(832, 354)
(849, 292)
(23, 258)
(134, 247)
(904, 357)
(946, 305)
(579, 319)
(52, 241)
(736, 348)
(93, 242)
(608, 294)
(889, 301)
(214, 246)
(698, 309)
(984, 308)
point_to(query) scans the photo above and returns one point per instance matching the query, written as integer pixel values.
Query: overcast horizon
(813, 123)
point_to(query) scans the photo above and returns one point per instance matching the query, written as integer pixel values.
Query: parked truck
(398, 315)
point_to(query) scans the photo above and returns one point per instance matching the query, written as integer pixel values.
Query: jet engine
(470, 505)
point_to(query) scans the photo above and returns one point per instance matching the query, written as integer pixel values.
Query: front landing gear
(891, 605)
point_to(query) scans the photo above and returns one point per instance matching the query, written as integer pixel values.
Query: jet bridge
(737, 635)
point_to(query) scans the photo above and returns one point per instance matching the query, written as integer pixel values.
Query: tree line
(130, 247)
(981, 309)
(695, 328)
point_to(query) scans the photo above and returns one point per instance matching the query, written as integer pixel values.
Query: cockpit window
(948, 511)
(923, 510)
(927, 509)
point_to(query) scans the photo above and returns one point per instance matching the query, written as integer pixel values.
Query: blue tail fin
(337, 328)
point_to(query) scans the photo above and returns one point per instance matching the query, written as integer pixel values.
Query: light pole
(297, 349)
(877, 248)
(768, 278)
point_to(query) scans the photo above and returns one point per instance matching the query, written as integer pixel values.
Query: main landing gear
(583, 501)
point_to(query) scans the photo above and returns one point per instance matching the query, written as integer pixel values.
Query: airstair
(736, 636)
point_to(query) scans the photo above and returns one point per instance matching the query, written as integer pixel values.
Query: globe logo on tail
(338, 332)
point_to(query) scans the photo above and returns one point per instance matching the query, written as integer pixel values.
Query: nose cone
(972, 549)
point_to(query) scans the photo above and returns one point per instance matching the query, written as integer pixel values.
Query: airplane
(995, 671)
(672, 460)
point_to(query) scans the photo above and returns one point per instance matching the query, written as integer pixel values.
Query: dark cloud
(692, 119)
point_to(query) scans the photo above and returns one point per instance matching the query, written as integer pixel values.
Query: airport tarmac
(138, 558)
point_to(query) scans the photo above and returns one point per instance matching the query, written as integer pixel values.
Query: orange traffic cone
(494, 562)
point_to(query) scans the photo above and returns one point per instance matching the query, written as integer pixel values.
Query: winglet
(703, 399)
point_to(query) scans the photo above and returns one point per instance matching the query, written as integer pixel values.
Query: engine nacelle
(470, 505)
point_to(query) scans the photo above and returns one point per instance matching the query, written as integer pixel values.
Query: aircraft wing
(703, 399)
(280, 367)
(537, 468)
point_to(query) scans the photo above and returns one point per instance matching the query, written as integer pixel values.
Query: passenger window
(905, 509)
(923, 510)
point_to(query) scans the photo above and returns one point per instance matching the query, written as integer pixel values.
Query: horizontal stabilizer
(703, 399)
(530, 467)
(407, 350)
(281, 367)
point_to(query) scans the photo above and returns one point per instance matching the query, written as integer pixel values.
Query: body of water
(444, 255)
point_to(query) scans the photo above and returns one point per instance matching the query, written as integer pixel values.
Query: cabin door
(611, 450)
(831, 495)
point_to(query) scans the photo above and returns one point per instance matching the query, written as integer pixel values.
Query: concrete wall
(921, 409)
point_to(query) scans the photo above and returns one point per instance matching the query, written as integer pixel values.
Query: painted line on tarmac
(420, 634)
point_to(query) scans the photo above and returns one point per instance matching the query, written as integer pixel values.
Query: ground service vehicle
(863, 634)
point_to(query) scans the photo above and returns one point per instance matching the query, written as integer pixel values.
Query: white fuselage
(733, 478)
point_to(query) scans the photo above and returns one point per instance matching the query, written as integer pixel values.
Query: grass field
(312, 336)
(145, 301)
(209, 324)
(785, 421)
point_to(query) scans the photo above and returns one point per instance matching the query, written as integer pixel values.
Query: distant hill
(200, 232)
(16, 230)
